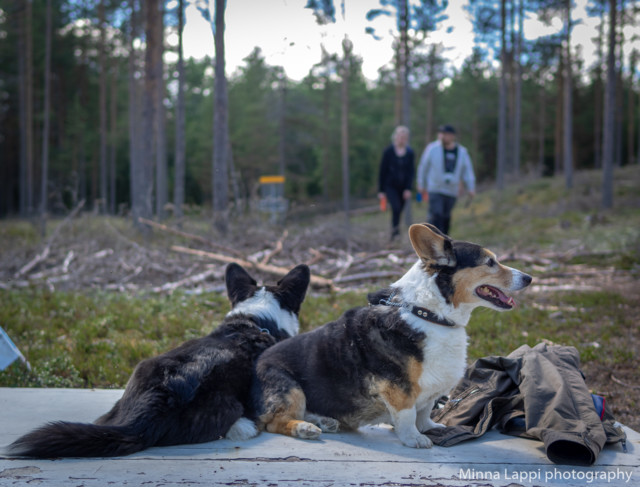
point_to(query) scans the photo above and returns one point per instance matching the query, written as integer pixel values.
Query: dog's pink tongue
(508, 300)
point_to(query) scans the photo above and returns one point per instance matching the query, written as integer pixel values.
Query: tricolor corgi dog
(390, 361)
(195, 393)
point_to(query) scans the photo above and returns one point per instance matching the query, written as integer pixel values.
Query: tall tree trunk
(403, 23)
(178, 185)
(431, 89)
(46, 115)
(619, 118)
(282, 124)
(568, 103)
(162, 189)
(502, 101)
(511, 92)
(619, 111)
(22, 111)
(541, 129)
(233, 176)
(608, 150)
(558, 147)
(517, 111)
(102, 108)
(347, 47)
(429, 126)
(404, 15)
(29, 135)
(152, 10)
(220, 126)
(631, 114)
(113, 142)
(134, 139)
(598, 93)
(326, 106)
(82, 100)
(638, 144)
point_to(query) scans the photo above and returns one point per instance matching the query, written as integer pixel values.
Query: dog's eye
(491, 262)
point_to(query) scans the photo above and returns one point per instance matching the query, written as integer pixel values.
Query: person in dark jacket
(395, 180)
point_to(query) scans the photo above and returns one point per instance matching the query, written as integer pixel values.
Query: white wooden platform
(371, 457)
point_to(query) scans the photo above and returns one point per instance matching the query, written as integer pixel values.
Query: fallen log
(363, 276)
(277, 249)
(47, 248)
(268, 268)
(33, 262)
(190, 236)
(172, 286)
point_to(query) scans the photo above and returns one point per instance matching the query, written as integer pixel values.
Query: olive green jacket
(537, 393)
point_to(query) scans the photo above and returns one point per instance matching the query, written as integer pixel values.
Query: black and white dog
(390, 361)
(195, 393)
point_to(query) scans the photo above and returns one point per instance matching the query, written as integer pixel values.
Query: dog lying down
(195, 393)
(390, 361)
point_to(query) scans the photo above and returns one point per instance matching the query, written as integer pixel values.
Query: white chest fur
(444, 359)
(444, 348)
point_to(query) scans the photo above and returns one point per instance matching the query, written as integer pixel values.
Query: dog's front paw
(416, 440)
(306, 431)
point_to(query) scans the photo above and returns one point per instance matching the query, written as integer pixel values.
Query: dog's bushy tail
(64, 439)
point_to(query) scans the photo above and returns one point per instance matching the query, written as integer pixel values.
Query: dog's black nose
(527, 279)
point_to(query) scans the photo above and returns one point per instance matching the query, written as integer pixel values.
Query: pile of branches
(89, 252)
(110, 260)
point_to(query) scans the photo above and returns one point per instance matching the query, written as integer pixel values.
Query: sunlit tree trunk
(502, 102)
(28, 109)
(46, 122)
(113, 142)
(282, 124)
(178, 185)
(403, 23)
(162, 189)
(431, 94)
(220, 126)
(568, 103)
(608, 150)
(631, 104)
(135, 163)
(152, 10)
(598, 93)
(517, 112)
(559, 118)
(541, 128)
(22, 109)
(347, 47)
(102, 108)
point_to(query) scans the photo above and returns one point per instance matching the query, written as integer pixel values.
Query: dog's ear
(432, 246)
(292, 288)
(240, 285)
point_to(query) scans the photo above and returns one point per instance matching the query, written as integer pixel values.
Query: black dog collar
(419, 311)
(429, 315)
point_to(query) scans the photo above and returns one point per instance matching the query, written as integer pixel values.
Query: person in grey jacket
(443, 165)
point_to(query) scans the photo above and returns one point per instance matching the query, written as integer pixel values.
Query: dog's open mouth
(495, 296)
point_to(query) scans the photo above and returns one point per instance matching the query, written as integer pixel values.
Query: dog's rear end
(194, 393)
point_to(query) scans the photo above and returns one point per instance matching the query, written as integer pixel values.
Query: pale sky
(289, 36)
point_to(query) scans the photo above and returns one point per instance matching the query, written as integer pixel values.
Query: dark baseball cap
(446, 129)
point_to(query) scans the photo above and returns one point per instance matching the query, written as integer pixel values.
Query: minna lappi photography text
(617, 476)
